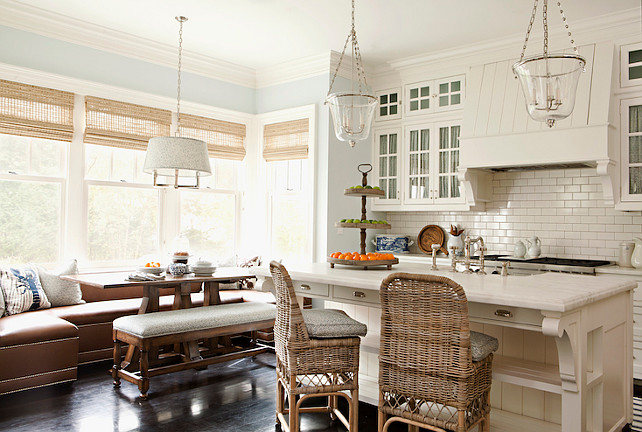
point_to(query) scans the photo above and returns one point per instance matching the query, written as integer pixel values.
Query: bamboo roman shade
(124, 125)
(286, 140)
(37, 112)
(224, 139)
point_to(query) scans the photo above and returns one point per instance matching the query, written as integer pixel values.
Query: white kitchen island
(589, 317)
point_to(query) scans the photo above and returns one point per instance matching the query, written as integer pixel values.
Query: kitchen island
(589, 318)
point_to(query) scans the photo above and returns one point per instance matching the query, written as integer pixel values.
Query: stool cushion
(194, 319)
(331, 323)
(482, 345)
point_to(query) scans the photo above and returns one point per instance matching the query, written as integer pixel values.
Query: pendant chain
(180, 20)
(545, 21)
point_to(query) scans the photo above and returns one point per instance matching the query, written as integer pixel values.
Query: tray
(429, 235)
(363, 264)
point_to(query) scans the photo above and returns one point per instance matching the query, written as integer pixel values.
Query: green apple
(343, 220)
(368, 187)
(376, 187)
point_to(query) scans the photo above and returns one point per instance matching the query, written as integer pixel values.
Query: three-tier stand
(364, 193)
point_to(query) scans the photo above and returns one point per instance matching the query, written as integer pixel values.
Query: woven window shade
(124, 125)
(224, 139)
(286, 140)
(36, 112)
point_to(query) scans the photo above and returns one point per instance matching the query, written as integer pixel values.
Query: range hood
(498, 135)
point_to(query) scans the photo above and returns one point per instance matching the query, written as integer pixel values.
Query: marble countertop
(555, 292)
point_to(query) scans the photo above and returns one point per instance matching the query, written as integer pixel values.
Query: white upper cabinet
(631, 150)
(389, 104)
(631, 65)
(386, 164)
(434, 96)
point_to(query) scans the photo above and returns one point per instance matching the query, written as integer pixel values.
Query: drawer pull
(504, 313)
(305, 287)
(358, 294)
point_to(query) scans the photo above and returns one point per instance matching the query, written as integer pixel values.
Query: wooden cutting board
(429, 235)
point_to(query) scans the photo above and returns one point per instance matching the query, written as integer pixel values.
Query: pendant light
(549, 81)
(352, 111)
(175, 156)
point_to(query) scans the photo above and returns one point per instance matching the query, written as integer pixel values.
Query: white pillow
(22, 290)
(2, 307)
(61, 292)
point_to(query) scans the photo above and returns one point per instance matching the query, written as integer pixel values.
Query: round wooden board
(363, 265)
(429, 235)
(362, 225)
(364, 192)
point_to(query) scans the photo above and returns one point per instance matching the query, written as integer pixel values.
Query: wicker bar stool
(317, 354)
(434, 373)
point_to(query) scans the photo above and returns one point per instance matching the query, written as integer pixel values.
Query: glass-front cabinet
(432, 160)
(389, 104)
(434, 96)
(387, 164)
(631, 141)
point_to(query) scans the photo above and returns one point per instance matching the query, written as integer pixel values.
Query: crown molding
(57, 26)
(615, 26)
(294, 70)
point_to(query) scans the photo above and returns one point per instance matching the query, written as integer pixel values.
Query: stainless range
(542, 264)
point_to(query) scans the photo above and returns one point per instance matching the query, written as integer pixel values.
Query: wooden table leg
(149, 303)
(211, 294)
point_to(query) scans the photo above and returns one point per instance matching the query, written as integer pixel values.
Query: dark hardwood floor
(234, 396)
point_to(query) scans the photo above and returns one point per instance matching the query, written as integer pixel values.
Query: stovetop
(541, 264)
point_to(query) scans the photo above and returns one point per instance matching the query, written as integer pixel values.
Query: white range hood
(498, 135)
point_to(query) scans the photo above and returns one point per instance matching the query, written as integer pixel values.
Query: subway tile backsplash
(564, 208)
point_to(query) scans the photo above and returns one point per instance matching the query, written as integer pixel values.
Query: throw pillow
(22, 290)
(1, 303)
(59, 291)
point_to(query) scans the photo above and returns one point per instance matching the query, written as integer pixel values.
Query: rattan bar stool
(434, 373)
(317, 354)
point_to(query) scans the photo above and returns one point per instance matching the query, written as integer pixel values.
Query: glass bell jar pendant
(549, 81)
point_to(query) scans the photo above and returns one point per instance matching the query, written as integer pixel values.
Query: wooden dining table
(151, 292)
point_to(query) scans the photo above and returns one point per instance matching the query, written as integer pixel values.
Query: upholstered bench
(148, 332)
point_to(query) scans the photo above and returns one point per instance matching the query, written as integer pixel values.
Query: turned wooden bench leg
(117, 360)
(143, 384)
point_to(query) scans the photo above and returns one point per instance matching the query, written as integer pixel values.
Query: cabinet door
(389, 104)
(631, 142)
(449, 93)
(387, 164)
(419, 187)
(419, 98)
(447, 182)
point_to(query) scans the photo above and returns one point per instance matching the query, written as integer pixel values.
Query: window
(286, 150)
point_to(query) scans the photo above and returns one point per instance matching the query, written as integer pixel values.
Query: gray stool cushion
(482, 345)
(331, 323)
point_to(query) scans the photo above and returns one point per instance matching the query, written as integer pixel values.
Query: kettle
(520, 249)
(636, 258)
(534, 247)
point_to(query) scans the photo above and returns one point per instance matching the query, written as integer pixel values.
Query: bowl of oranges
(151, 267)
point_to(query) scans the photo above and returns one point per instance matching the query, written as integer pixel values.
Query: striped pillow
(22, 290)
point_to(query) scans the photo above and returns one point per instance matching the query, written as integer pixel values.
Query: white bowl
(152, 270)
(202, 270)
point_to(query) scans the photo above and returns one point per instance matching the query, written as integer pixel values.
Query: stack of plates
(202, 270)
(152, 270)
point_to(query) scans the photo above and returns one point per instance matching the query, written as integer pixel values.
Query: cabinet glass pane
(454, 187)
(414, 93)
(393, 166)
(635, 180)
(635, 56)
(443, 101)
(414, 164)
(635, 118)
(393, 143)
(635, 72)
(455, 99)
(383, 144)
(454, 136)
(443, 138)
(635, 149)
(392, 189)
(414, 140)
(455, 86)
(383, 166)
(443, 162)
(383, 111)
(393, 109)
(423, 187)
(454, 161)
(383, 99)
(425, 103)
(383, 183)
(425, 91)
(393, 98)
(424, 168)
(414, 105)
(443, 187)
(443, 88)
(425, 139)
(414, 187)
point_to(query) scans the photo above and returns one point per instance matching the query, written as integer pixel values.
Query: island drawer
(498, 314)
(355, 294)
(311, 288)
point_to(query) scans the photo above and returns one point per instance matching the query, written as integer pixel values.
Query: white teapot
(519, 250)
(534, 247)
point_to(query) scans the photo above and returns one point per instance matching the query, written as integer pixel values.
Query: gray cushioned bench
(148, 332)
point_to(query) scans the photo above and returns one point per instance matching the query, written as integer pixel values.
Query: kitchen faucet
(467, 260)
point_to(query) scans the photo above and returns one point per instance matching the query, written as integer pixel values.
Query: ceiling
(263, 33)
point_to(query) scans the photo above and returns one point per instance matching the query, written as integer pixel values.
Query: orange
(342, 256)
(148, 264)
(364, 256)
(356, 257)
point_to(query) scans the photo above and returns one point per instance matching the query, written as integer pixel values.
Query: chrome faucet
(467, 255)
(435, 247)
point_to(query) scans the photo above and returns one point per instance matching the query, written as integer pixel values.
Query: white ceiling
(264, 33)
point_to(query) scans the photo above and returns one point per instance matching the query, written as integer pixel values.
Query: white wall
(562, 207)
